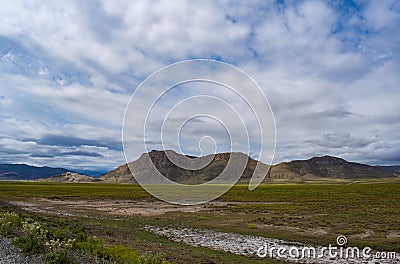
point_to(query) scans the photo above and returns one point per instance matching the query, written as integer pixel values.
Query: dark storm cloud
(39, 155)
(59, 140)
(337, 140)
(80, 153)
(337, 113)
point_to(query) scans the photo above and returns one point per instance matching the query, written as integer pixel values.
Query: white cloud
(380, 14)
(67, 70)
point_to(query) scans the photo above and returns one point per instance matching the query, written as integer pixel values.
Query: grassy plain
(368, 213)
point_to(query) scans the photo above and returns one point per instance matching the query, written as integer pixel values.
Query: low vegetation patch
(34, 237)
(366, 212)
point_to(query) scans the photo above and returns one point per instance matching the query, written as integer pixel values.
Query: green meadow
(367, 213)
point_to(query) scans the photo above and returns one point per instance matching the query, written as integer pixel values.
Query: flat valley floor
(227, 230)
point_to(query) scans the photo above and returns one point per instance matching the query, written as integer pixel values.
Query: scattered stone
(10, 254)
(249, 246)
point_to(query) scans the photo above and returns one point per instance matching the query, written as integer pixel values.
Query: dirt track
(115, 207)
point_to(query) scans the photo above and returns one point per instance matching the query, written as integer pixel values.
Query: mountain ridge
(329, 167)
(27, 172)
(160, 160)
(322, 167)
(326, 167)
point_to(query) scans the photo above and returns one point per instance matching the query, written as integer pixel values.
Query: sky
(330, 71)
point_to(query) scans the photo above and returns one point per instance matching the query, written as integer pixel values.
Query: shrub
(202, 217)
(122, 254)
(9, 223)
(91, 245)
(154, 259)
(32, 238)
(252, 226)
(59, 251)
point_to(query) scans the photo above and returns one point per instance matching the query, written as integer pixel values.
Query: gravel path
(10, 254)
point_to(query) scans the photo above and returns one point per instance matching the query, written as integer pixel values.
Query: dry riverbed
(256, 246)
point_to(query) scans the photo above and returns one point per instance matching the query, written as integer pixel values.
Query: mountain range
(329, 167)
(27, 172)
(143, 166)
(325, 167)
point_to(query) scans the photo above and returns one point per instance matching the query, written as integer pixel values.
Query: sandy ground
(116, 207)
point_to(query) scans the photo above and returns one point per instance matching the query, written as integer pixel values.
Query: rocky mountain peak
(328, 160)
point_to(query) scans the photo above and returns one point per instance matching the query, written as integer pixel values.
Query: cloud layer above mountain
(67, 69)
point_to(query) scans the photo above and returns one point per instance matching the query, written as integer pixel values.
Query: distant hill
(70, 177)
(392, 168)
(160, 160)
(27, 172)
(317, 167)
(328, 167)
